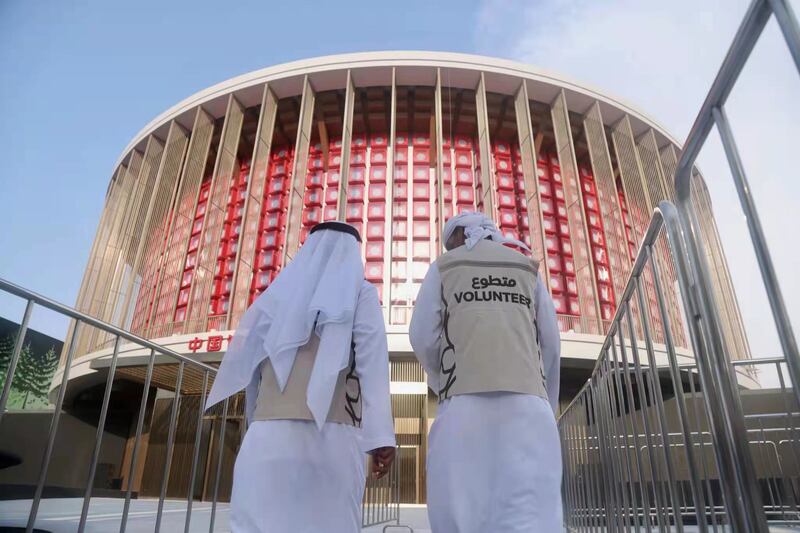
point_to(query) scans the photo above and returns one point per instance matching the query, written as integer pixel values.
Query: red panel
(358, 158)
(377, 192)
(603, 275)
(275, 203)
(191, 259)
(462, 141)
(502, 148)
(605, 293)
(596, 236)
(421, 140)
(422, 173)
(464, 176)
(463, 158)
(593, 219)
(401, 139)
(569, 265)
(334, 177)
(401, 154)
(377, 174)
(315, 148)
(561, 210)
(194, 242)
(566, 247)
(359, 227)
(400, 191)
(374, 272)
(331, 212)
(180, 314)
(422, 156)
(447, 176)
(549, 224)
(183, 297)
(422, 230)
(358, 175)
(447, 193)
(378, 141)
(355, 212)
(563, 228)
(263, 277)
(197, 226)
(560, 303)
(557, 284)
(400, 211)
(375, 231)
(274, 221)
(422, 191)
(508, 218)
(355, 193)
(574, 307)
(607, 311)
(551, 244)
(591, 203)
(268, 240)
(331, 195)
(313, 198)
(400, 173)
(548, 207)
(545, 189)
(588, 187)
(334, 160)
(374, 251)
(312, 216)
(359, 140)
(377, 156)
(315, 162)
(505, 182)
(558, 191)
(600, 255)
(376, 211)
(446, 157)
(268, 259)
(503, 164)
(571, 285)
(280, 154)
(506, 200)
(465, 195)
(523, 220)
(187, 278)
(422, 211)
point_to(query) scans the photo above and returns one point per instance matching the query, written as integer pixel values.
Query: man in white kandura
(312, 357)
(484, 328)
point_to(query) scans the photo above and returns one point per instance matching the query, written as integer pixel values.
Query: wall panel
(616, 241)
(529, 170)
(162, 313)
(300, 166)
(213, 222)
(484, 174)
(587, 293)
(149, 258)
(255, 193)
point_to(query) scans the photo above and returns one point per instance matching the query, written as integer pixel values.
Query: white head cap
(477, 227)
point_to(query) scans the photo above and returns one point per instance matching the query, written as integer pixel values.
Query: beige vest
(272, 404)
(490, 341)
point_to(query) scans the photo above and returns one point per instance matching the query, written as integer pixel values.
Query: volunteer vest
(291, 404)
(490, 339)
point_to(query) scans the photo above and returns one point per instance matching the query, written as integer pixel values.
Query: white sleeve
(549, 341)
(427, 324)
(251, 395)
(372, 362)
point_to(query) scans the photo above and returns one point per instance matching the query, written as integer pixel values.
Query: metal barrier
(185, 377)
(381, 503)
(622, 469)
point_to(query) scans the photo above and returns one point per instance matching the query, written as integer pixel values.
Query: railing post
(12, 364)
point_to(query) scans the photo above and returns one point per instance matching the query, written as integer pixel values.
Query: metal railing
(381, 503)
(622, 470)
(165, 370)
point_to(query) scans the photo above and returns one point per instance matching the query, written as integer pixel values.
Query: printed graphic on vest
(481, 293)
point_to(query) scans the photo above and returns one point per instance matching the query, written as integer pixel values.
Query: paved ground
(62, 515)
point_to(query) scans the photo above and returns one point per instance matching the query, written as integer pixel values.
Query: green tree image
(6, 348)
(25, 377)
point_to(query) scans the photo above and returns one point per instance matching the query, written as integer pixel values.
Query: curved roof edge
(400, 58)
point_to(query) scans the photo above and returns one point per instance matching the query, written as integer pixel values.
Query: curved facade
(214, 196)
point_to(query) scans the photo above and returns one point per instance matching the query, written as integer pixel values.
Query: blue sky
(81, 78)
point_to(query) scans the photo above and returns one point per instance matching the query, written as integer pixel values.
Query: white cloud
(662, 57)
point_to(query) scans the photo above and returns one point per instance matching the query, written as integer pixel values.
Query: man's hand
(382, 459)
